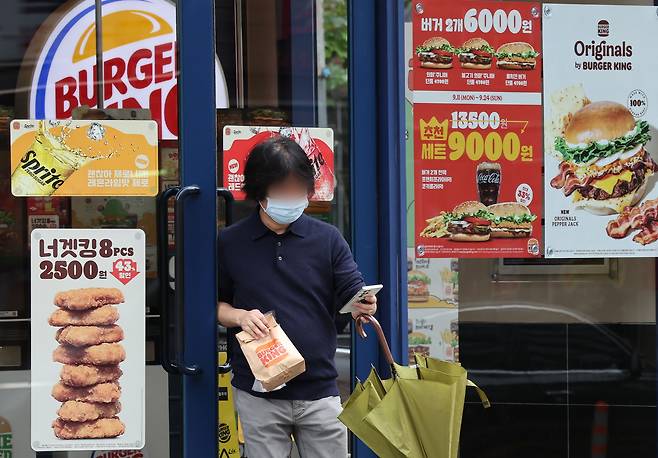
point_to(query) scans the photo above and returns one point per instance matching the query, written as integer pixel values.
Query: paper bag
(273, 359)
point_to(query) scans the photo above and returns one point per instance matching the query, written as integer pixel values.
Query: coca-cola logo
(489, 177)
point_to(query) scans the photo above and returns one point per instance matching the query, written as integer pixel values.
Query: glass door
(49, 71)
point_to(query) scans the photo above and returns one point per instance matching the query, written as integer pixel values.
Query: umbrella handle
(380, 334)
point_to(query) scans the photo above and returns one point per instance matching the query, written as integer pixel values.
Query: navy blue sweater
(302, 275)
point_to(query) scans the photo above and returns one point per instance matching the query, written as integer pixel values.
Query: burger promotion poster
(477, 129)
(478, 185)
(88, 339)
(317, 142)
(601, 143)
(476, 45)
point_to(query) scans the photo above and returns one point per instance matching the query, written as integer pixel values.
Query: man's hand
(253, 322)
(367, 307)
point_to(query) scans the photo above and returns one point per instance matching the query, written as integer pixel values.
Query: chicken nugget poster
(88, 339)
(477, 129)
(601, 143)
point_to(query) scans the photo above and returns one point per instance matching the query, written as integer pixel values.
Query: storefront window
(565, 348)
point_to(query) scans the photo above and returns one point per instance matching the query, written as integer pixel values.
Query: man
(282, 260)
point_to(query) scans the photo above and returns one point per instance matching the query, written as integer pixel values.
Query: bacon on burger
(476, 53)
(469, 222)
(604, 164)
(435, 52)
(517, 55)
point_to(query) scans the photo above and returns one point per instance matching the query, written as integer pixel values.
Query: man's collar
(258, 229)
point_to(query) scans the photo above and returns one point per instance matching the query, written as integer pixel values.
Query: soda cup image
(46, 164)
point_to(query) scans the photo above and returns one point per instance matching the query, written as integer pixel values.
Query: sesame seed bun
(515, 47)
(436, 42)
(470, 206)
(599, 121)
(475, 43)
(509, 209)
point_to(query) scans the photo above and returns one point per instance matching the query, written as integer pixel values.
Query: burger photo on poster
(469, 222)
(476, 53)
(517, 55)
(435, 52)
(604, 165)
(511, 220)
(418, 286)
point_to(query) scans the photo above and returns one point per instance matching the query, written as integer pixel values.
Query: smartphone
(370, 290)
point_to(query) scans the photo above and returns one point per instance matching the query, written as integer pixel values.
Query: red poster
(477, 46)
(477, 129)
(318, 143)
(478, 182)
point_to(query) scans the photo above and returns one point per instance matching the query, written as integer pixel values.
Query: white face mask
(285, 211)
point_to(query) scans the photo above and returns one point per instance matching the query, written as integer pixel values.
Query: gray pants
(269, 423)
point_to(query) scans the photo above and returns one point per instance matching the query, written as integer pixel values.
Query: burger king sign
(139, 61)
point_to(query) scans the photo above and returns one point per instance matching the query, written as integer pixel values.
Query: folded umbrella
(417, 413)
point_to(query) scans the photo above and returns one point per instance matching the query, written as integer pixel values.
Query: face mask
(285, 211)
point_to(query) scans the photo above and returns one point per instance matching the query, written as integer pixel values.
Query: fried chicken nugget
(88, 411)
(101, 316)
(88, 298)
(89, 375)
(103, 392)
(97, 355)
(96, 429)
(82, 336)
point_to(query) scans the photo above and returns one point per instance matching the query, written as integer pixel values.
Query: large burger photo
(435, 52)
(468, 222)
(511, 220)
(476, 54)
(517, 55)
(418, 286)
(604, 166)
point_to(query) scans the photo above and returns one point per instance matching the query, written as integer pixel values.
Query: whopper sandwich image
(435, 52)
(476, 54)
(604, 165)
(511, 220)
(517, 55)
(469, 222)
(418, 286)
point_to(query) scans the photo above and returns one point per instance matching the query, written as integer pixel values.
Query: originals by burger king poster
(601, 143)
(477, 129)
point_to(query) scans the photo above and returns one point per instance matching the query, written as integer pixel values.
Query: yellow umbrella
(417, 413)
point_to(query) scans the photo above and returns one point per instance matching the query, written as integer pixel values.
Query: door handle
(179, 281)
(168, 364)
(228, 200)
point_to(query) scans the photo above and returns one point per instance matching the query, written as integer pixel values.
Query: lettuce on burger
(604, 164)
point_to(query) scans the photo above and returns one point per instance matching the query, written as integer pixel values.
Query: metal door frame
(198, 166)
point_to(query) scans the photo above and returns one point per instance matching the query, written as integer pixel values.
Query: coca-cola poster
(318, 143)
(477, 129)
(601, 138)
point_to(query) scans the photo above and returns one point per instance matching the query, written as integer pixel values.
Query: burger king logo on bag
(139, 61)
(271, 353)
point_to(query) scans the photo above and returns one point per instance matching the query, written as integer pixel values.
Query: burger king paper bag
(273, 359)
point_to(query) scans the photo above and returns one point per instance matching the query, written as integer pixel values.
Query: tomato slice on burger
(442, 53)
(477, 221)
(481, 52)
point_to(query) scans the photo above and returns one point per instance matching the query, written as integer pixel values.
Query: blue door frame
(198, 165)
(378, 172)
(377, 183)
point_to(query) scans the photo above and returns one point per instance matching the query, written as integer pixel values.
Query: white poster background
(563, 26)
(45, 372)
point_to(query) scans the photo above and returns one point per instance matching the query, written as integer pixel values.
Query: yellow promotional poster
(84, 158)
(227, 433)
